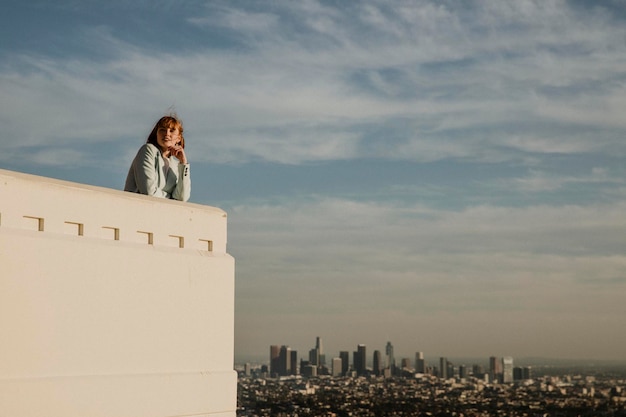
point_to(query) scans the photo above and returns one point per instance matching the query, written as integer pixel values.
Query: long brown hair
(169, 122)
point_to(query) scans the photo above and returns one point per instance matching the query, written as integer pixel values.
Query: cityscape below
(283, 361)
(377, 383)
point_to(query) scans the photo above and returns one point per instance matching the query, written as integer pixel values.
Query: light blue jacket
(147, 175)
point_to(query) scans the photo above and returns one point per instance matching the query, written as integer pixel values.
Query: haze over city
(449, 176)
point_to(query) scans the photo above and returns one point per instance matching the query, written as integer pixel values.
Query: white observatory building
(112, 304)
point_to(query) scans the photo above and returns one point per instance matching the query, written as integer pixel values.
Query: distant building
(321, 357)
(462, 371)
(274, 360)
(337, 367)
(345, 362)
(420, 363)
(360, 359)
(378, 366)
(443, 368)
(406, 363)
(495, 369)
(450, 372)
(527, 372)
(507, 370)
(293, 369)
(391, 360)
(309, 370)
(284, 362)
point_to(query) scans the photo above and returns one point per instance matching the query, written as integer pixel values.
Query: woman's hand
(179, 153)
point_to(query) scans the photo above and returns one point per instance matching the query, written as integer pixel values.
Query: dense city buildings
(492, 387)
(427, 395)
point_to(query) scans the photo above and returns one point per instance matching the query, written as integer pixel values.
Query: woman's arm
(146, 171)
(182, 191)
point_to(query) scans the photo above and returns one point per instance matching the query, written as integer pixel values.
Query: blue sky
(449, 176)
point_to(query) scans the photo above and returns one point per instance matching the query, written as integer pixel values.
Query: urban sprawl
(311, 387)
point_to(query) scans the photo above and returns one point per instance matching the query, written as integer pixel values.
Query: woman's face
(167, 137)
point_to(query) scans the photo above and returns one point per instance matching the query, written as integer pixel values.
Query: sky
(446, 175)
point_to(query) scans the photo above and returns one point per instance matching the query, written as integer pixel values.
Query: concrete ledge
(52, 206)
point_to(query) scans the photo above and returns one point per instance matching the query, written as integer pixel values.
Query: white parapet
(112, 304)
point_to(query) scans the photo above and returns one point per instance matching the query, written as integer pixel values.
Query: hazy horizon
(449, 176)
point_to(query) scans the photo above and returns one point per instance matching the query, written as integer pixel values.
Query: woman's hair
(172, 122)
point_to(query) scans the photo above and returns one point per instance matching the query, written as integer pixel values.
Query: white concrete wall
(112, 304)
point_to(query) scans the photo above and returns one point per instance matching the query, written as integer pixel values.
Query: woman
(161, 168)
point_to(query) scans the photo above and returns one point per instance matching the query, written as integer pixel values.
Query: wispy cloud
(336, 73)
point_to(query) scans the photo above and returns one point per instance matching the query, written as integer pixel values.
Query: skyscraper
(420, 363)
(378, 366)
(284, 361)
(293, 368)
(495, 369)
(526, 372)
(507, 369)
(443, 368)
(345, 361)
(462, 371)
(321, 358)
(274, 360)
(337, 367)
(314, 357)
(360, 360)
(391, 360)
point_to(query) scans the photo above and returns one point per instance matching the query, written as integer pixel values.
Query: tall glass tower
(391, 360)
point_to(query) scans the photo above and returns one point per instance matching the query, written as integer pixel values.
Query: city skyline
(450, 176)
(390, 358)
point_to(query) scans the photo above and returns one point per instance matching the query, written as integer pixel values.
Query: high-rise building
(360, 360)
(314, 358)
(405, 363)
(274, 360)
(391, 360)
(495, 369)
(284, 361)
(337, 367)
(378, 366)
(478, 371)
(420, 363)
(321, 358)
(450, 371)
(462, 371)
(345, 362)
(507, 369)
(526, 372)
(293, 369)
(443, 368)
(309, 370)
